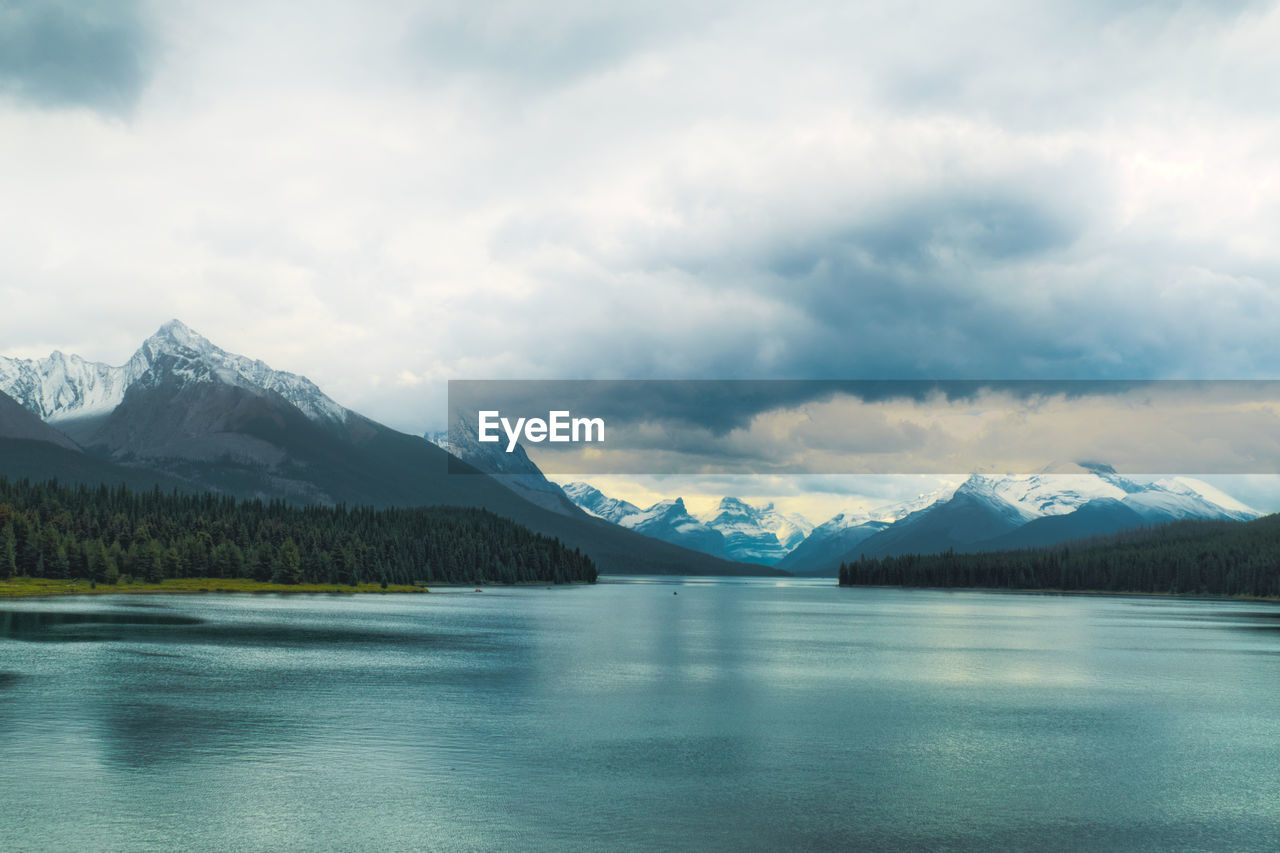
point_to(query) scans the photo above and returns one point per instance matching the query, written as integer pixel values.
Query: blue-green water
(734, 715)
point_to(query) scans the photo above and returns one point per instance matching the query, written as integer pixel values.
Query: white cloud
(478, 190)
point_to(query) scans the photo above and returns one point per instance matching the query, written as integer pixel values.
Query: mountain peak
(176, 334)
(66, 387)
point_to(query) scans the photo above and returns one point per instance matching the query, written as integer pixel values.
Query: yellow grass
(22, 587)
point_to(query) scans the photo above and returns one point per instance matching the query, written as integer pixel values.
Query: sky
(386, 195)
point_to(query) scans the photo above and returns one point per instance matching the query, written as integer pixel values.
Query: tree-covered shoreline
(106, 534)
(1182, 558)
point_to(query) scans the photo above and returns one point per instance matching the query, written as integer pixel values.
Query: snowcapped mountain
(1035, 510)
(986, 512)
(668, 520)
(179, 352)
(789, 528)
(757, 534)
(832, 539)
(597, 503)
(515, 470)
(1062, 492)
(63, 388)
(734, 529)
(184, 414)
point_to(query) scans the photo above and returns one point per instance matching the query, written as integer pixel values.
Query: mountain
(182, 411)
(515, 470)
(62, 389)
(597, 503)
(977, 511)
(65, 388)
(757, 534)
(735, 529)
(995, 512)
(670, 521)
(34, 450)
(1098, 517)
(17, 424)
(832, 539)
(667, 520)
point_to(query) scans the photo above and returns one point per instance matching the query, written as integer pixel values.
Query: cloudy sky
(386, 195)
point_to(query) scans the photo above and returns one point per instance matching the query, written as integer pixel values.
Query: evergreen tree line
(1204, 557)
(53, 531)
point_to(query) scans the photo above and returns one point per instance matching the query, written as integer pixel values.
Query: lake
(737, 714)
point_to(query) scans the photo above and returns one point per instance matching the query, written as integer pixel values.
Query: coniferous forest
(1185, 557)
(106, 534)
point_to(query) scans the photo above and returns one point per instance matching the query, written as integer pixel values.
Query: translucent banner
(771, 427)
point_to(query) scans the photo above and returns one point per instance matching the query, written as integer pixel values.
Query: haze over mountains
(184, 413)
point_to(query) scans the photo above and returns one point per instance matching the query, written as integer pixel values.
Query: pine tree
(8, 552)
(289, 563)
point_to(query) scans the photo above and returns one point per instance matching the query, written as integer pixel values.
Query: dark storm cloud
(65, 54)
(891, 427)
(702, 410)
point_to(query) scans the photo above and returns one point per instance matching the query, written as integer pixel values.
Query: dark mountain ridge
(202, 419)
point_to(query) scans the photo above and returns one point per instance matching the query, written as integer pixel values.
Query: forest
(1185, 557)
(109, 534)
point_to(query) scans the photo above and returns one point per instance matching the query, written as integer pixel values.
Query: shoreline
(24, 587)
(1189, 596)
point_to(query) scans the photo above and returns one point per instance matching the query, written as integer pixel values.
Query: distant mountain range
(986, 513)
(735, 530)
(183, 413)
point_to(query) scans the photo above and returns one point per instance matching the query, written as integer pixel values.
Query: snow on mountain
(735, 529)
(757, 534)
(830, 540)
(986, 512)
(597, 503)
(736, 515)
(515, 470)
(1048, 494)
(64, 388)
(668, 520)
(887, 513)
(461, 440)
(1174, 498)
(1039, 495)
(1215, 496)
(193, 358)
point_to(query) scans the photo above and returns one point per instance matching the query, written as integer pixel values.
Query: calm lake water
(738, 714)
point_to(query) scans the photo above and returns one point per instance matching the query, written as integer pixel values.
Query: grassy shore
(22, 587)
